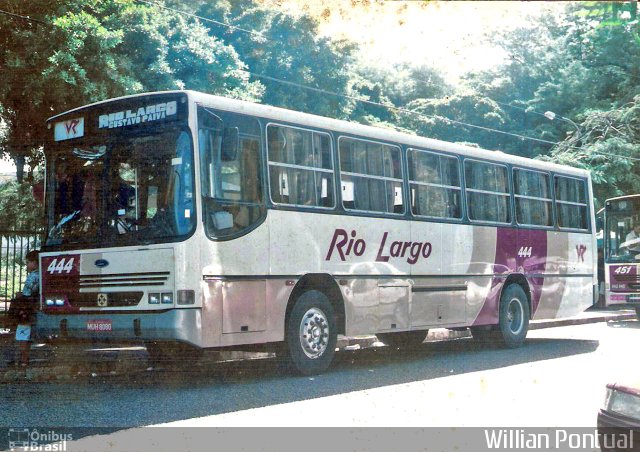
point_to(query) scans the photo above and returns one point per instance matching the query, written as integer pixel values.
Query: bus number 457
(62, 266)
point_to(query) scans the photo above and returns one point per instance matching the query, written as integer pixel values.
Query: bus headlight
(167, 298)
(54, 301)
(154, 298)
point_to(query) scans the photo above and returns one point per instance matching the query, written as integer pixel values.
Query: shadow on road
(208, 388)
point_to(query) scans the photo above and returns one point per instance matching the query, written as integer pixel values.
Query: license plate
(99, 325)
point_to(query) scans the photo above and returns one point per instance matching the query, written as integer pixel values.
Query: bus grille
(114, 299)
(123, 280)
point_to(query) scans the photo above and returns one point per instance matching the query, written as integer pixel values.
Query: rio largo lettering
(346, 245)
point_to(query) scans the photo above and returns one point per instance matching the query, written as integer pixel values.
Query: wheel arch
(325, 283)
(519, 279)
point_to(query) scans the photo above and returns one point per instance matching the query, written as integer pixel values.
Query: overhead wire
(347, 96)
(204, 19)
(20, 16)
(319, 90)
(400, 109)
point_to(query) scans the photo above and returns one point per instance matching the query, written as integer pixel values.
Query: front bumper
(180, 325)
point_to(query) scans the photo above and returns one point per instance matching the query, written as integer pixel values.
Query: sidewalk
(591, 315)
(82, 361)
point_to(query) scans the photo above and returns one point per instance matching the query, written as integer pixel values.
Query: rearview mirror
(230, 144)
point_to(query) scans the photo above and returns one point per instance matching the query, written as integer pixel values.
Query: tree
(403, 83)
(447, 119)
(61, 54)
(609, 147)
(298, 68)
(20, 210)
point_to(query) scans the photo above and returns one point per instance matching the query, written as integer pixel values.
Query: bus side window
(300, 167)
(488, 192)
(571, 203)
(371, 176)
(435, 184)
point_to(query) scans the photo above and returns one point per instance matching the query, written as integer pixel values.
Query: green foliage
(582, 65)
(82, 51)
(610, 148)
(433, 118)
(277, 45)
(20, 210)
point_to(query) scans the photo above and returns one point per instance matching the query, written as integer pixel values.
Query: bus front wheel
(311, 333)
(513, 321)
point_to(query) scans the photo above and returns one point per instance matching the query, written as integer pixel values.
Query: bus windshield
(622, 230)
(122, 189)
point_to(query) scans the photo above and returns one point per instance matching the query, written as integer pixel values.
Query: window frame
(460, 188)
(261, 154)
(269, 162)
(534, 198)
(508, 194)
(402, 179)
(557, 201)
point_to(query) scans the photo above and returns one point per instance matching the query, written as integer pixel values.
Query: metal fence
(14, 245)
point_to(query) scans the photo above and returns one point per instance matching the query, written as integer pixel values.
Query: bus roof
(321, 122)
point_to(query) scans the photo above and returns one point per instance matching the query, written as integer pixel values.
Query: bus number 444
(525, 251)
(62, 266)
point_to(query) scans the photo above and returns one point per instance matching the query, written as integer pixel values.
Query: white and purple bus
(622, 251)
(181, 217)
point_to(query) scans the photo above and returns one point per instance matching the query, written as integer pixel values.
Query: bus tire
(311, 333)
(513, 322)
(403, 339)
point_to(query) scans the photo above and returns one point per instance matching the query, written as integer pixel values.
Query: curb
(44, 370)
(539, 324)
(443, 334)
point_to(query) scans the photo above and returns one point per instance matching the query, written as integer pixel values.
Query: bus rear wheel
(311, 333)
(404, 339)
(513, 321)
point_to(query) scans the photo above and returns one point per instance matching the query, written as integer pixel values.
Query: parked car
(619, 419)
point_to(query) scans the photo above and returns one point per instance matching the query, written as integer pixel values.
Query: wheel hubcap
(515, 316)
(314, 333)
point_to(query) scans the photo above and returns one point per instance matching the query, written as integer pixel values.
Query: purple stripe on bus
(517, 251)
